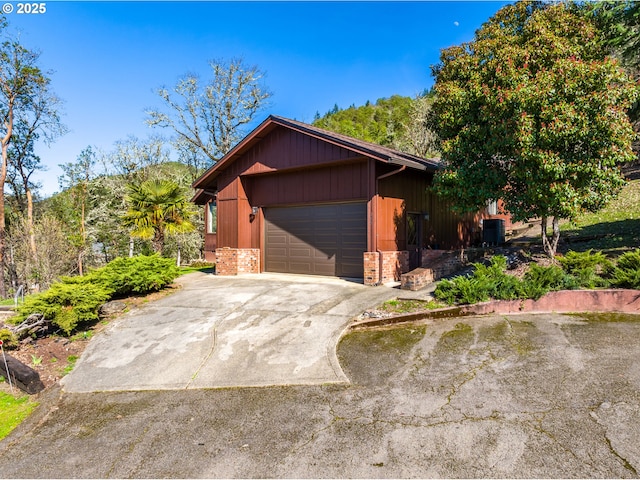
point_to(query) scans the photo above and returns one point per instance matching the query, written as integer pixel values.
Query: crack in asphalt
(624, 461)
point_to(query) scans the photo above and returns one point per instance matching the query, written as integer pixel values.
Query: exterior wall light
(252, 215)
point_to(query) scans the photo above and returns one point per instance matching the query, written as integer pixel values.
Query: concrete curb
(564, 301)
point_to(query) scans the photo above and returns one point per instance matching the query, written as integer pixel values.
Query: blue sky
(107, 58)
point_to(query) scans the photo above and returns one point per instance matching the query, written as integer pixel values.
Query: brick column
(392, 266)
(371, 268)
(236, 261)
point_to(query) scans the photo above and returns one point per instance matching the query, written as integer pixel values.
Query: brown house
(294, 198)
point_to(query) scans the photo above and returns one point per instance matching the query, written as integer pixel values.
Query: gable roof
(368, 149)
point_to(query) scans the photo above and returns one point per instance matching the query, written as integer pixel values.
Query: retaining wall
(565, 301)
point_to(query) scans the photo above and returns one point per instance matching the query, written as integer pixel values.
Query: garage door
(316, 239)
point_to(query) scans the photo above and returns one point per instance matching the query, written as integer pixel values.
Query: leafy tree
(22, 86)
(533, 112)
(208, 119)
(77, 177)
(619, 23)
(158, 208)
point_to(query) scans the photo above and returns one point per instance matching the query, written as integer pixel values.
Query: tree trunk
(3, 177)
(550, 245)
(130, 247)
(30, 227)
(80, 266)
(83, 234)
(158, 241)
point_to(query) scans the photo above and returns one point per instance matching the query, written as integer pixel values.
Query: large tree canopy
(208, 118)
(533, 112)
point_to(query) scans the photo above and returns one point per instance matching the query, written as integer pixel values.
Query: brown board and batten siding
(312, 201)
(408, 192)
(336, 183)
(252, 181)
(284, 149)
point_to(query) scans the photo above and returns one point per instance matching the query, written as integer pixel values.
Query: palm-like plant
(157, 208)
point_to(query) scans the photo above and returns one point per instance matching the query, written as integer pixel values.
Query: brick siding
(394, 264)
(236, 261)
(436, 265)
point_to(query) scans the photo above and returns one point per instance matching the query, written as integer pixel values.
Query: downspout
(390, 174)
(378, 178)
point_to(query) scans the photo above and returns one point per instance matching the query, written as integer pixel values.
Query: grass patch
(71, 363)
(11, 301)
(205, 267)
(400, 306)
(86, 335)
(615, 228)
(13, 411)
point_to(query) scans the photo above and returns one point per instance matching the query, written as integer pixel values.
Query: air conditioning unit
(493, 231)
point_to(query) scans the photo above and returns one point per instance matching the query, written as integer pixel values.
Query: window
(412, 229)
(212, 217)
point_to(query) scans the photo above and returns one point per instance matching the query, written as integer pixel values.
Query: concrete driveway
(250, 330)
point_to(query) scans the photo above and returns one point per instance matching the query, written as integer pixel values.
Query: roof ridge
(432, 162)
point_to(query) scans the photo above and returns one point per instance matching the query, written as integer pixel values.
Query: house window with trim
(212, 217)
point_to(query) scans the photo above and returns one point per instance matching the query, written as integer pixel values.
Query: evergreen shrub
(626, 273)
(486, 282)
(588, 268)
(579, 270)
(8, 338)
(141, 274)
(76, 300)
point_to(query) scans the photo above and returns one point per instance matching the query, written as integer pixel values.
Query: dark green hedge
(75, 300)
(577, 270)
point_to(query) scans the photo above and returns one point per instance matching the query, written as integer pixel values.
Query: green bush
(626, 273)
(140, 274)
(67, 304)
(580, 270)
(540, 280)
(76, 300)
(487, 281)
(8, 338)
(587, 268)
(491, 282)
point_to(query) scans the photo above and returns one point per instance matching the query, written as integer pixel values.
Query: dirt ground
(51, 357)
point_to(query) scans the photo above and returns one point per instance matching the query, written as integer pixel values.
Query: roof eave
(272, 121)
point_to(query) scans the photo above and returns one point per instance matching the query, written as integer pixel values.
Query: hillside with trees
(397, 122)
